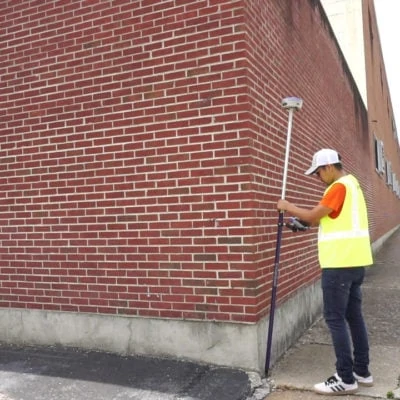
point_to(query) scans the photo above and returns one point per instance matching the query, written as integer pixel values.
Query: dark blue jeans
(341, 288)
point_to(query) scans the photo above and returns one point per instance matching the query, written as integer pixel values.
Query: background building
(346, 19)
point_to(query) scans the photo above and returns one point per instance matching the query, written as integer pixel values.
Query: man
(344, 250)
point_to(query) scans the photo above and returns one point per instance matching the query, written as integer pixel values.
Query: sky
(387, 13)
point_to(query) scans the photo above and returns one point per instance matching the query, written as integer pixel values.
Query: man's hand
(282, 205)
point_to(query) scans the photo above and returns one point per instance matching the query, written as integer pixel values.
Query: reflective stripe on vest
(344, 235)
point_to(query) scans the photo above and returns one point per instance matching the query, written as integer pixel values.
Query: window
(379, 156)
(396, 187)
(389, 173)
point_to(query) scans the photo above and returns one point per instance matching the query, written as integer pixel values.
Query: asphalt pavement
(50, 373)
(41, 373)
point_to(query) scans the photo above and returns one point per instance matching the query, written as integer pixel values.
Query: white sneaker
(335, 386)
(364, 380)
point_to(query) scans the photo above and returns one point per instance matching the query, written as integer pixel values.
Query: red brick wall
(123, 158)
(142, 147)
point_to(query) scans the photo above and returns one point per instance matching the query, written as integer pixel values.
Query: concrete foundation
(228, 344)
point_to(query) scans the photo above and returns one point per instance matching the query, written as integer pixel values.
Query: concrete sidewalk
(312, 360)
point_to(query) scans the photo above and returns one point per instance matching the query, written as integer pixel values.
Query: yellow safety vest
(344, 241)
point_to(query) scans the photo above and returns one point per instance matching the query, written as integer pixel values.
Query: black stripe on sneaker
(338, 388)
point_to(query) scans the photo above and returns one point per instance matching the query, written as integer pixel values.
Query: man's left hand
(282, 205)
